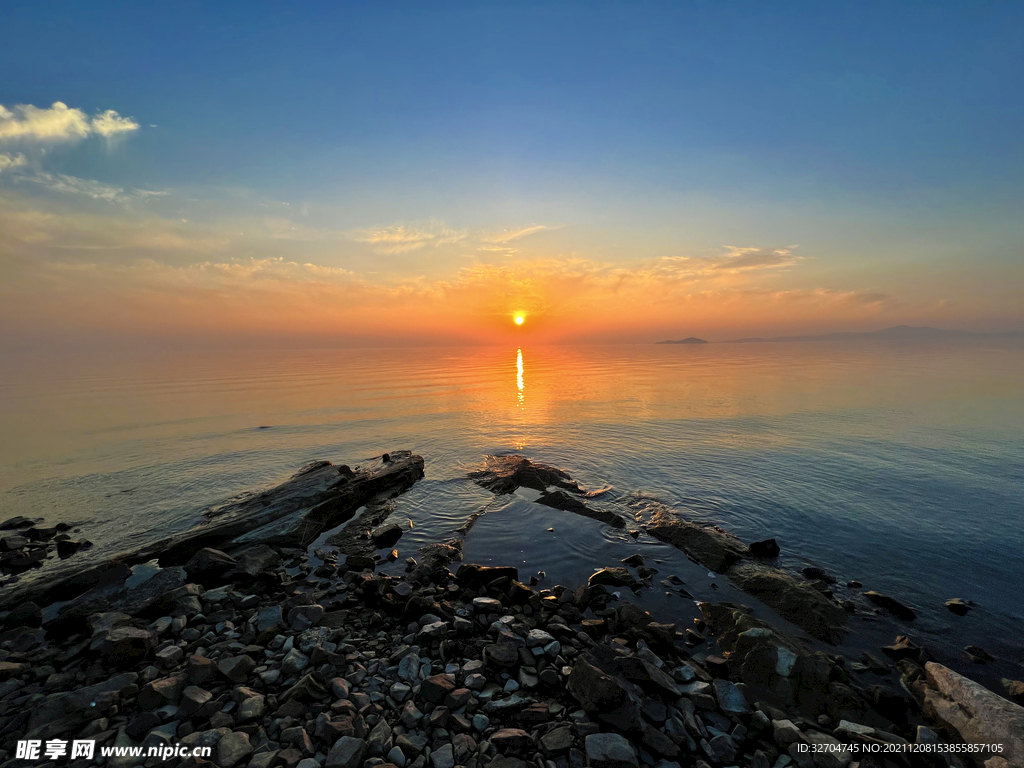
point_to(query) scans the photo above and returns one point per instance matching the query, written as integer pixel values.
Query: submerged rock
(892, 605)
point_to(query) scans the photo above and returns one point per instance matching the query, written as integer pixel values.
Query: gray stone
(347, 752)
(730, 699)
(609, 750)
(443, 757)
(232, 748)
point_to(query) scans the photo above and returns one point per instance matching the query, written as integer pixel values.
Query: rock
(473, 576)
(347, 752)
(504, 474)
(730, 699)
(294, 662)
(977, 654)
(613, 577)
(785, 733)
(192, 699)
(794, 601)
(973, 711)
(768, 548)
(958, 606)
(209, 567)
(443, 757)
(236, 668)
(501, 656)
(125, 647)
(303, 617)
(232, 748)
(253, 562)
(828, 752)
(647, 676)
(386, 536)
(435, 688)
(557, 741)
(568, 502)
(201, 670)
(26, 614)
(814, 573)
(270, 619)
(512, 741)
(1014, 689)
(892, 605)
(609, 750)
(604, 697)
(713, 548)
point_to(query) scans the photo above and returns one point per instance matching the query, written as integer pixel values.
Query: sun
(518, 318)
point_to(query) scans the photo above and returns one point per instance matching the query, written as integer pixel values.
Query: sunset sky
(418, 173)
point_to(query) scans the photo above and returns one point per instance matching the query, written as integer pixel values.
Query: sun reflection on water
(519, 377)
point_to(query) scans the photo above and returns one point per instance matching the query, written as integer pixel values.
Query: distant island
(895, 333)
(688, 340)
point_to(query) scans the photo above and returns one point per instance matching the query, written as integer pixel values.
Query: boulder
(473, 576)
(977, 714)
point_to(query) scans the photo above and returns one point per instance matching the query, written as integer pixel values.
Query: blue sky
(883, 140)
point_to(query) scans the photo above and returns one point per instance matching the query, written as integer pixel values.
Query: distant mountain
(687, 340)
(895, 333)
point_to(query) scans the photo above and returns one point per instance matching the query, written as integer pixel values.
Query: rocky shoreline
(274, 656)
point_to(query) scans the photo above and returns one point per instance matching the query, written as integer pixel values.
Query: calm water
(899, 466)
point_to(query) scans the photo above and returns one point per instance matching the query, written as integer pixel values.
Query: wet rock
(813, 572)
(26, 614)
(613, 577)
(711, 547)
(1014, 690)
(768, 548)
(386, 536)
(473, 576)
(892, 605)
(958, 606)
(793, 600)
(504, 474)
(977, 654)
(609, 750)
(560, 499)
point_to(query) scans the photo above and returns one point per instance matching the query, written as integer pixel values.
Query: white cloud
(10, 161)
(59, 182)
(109, 123)
(403, 238)
(60, 122)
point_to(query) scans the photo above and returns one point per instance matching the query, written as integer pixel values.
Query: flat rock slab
(292, 514)
(976, 713)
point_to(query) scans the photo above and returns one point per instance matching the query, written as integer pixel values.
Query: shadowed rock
(795, 601)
